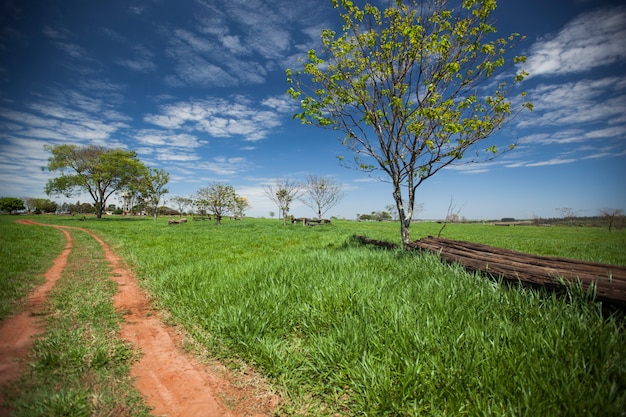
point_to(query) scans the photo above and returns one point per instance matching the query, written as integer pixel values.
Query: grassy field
(25, 254)
(344, 329)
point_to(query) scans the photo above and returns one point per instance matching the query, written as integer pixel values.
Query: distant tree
(610, 215)
(151, 187)
(217, 198)
(320, 194)
(568, 214)
(241, 205)
(11, 204)
(283, 192)
(29, 204)
(91, 169)
(130, 198)
(452, 215)
(81, 208)
(393, 210)
(377, 216)
(410, 87)
(40, 205)
(47, 206)
(182, 203)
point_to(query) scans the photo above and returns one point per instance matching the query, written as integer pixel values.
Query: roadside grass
(26, 252)
(344, 329)
(78, 366)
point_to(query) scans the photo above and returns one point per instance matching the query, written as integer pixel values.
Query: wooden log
(551, 272)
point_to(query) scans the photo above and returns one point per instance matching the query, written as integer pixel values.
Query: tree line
(102, 172)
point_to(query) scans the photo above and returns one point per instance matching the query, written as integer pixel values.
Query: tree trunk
(405, 221)
(404, 230)
(99, 209)
(100, 201)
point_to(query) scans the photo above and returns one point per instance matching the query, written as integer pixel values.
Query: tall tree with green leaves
(414, 87)
(95, 170)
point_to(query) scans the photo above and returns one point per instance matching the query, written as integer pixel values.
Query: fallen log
(175, 221)
(547, 271)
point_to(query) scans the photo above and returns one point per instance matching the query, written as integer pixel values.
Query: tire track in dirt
(18, 332)
(174, 383)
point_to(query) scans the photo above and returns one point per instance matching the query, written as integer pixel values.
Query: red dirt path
(173, 382)
(17, 332)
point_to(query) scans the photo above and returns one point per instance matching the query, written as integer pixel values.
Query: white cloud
(223, 166)
(554, 161)
(282, 104)
(239, 42)
(592, 40)
(474, 168)
(579, 102)
(175, 155)
(154, 137)
(218, 117)
(233, 44)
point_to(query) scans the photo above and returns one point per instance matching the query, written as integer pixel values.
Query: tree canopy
(11, 204)
(220, 200)
(95, 170)
(411, 87)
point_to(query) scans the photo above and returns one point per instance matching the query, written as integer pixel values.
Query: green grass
(358, 331)
(592, 244)
(26, 252)
(78, 366)
(350, 330)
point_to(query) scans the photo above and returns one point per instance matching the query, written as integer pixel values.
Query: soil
(172, 380)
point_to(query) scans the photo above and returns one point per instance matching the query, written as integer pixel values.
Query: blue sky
(198, 88)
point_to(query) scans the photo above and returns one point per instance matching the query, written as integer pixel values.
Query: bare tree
(283, 192)
(611, 215)
(181, 203)
(321, 194)
(452, 216)
(568, 214)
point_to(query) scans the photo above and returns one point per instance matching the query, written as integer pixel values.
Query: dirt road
(173, 382)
